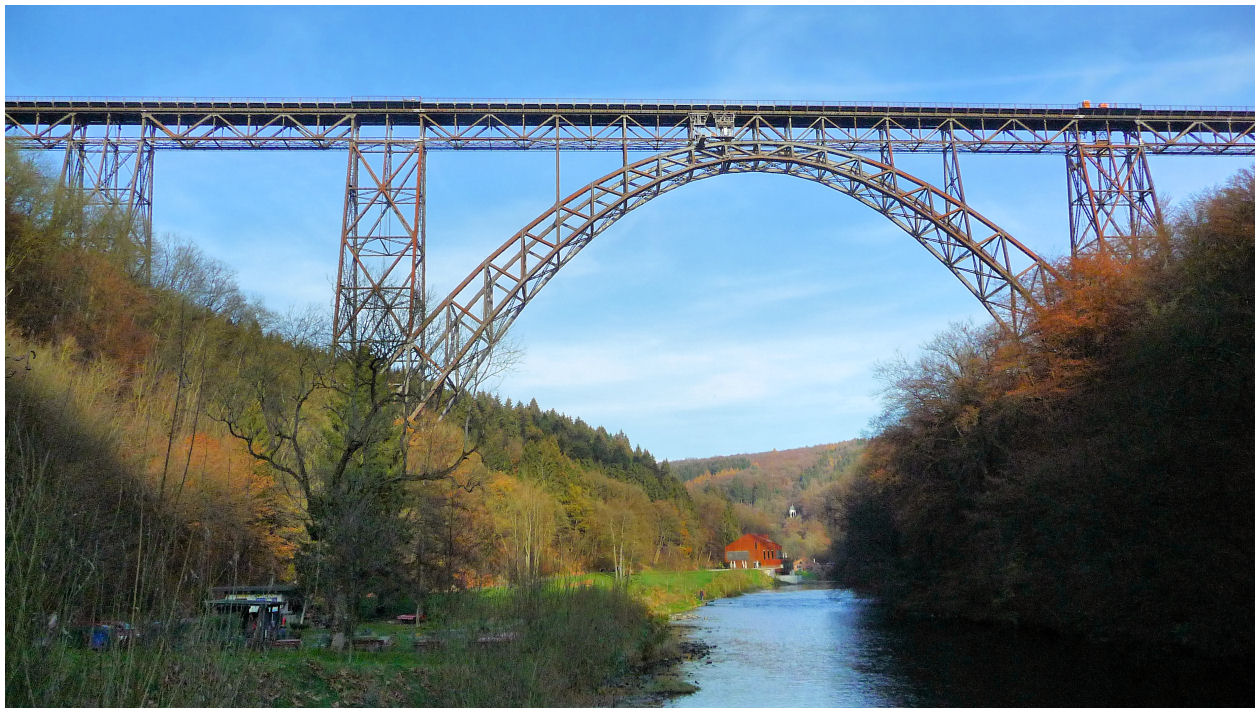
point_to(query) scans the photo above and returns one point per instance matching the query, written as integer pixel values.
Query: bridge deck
(617, 124)
(457, 111)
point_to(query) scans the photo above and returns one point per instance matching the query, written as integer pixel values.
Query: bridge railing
(627, 103)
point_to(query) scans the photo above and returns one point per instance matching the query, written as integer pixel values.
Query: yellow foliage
(203, 479)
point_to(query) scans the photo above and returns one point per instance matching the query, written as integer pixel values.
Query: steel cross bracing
(380, 276)
(114, 171)
(1111, 196)
(1002, 273)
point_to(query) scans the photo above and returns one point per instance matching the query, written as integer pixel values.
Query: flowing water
(814, 646)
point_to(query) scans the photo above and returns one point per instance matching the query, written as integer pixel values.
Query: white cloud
(706, 395)
(680, 374)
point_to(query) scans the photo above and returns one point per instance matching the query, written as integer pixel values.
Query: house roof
(289, 592)
(255, 589)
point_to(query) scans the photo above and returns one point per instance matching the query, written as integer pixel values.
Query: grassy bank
(575, 641)
(667, 593)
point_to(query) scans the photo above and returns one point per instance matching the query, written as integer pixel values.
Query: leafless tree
(335, 428)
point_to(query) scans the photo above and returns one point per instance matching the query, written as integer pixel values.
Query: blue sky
(739, 314)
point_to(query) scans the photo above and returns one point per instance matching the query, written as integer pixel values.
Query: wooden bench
(407, 618)
(286, 644)
(372, 643)
(502, 637)
(426, 643)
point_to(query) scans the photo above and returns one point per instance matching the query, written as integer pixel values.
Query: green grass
(673, 592)
(571, 643)
(576, 639)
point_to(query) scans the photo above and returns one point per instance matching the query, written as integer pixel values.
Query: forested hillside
(1096, 475)
(755, 492)
(165, 434)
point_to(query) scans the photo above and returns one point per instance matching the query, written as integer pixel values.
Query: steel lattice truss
(1111, 196)
(996, 268)
(380, 277)
(115, 171)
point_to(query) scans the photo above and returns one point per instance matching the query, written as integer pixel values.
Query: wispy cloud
(758, 51)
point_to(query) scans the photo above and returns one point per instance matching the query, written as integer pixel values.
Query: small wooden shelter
(265, 611)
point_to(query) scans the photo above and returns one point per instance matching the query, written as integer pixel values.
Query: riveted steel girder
(1001, 273)
(634, 125)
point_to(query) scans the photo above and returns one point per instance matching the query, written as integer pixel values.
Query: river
(814, 646)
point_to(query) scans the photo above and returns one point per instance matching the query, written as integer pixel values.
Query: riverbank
(662, 679)
(571, 642)
(546, 645)
(672, 596)
(632, 636)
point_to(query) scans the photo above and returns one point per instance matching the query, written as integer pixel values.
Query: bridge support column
(1111, 197)
(955, 213)
(958, 217)
(886, 145)
(380, 276)
(113, 173)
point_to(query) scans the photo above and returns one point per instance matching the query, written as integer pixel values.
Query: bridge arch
(457, 334)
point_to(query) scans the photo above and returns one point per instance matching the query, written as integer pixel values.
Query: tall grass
(569, 645)
(85, 542)
(674, 592)
(577, 638)
(573, 640)
(671, 592)
(570, 642)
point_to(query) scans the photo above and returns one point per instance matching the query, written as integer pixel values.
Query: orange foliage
(238, 500)
(1094, 298)
(101, 308)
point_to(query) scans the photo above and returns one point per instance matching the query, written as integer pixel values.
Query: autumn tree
(335, 430)
(527, 523)
(1092, 474)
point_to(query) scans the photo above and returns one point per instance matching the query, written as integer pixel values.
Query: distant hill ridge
(779, 493)
(775, 463)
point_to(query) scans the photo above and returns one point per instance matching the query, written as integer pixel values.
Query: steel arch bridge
(462, 330)
(108, 147)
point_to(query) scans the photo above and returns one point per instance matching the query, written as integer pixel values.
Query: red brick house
(754, 551)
